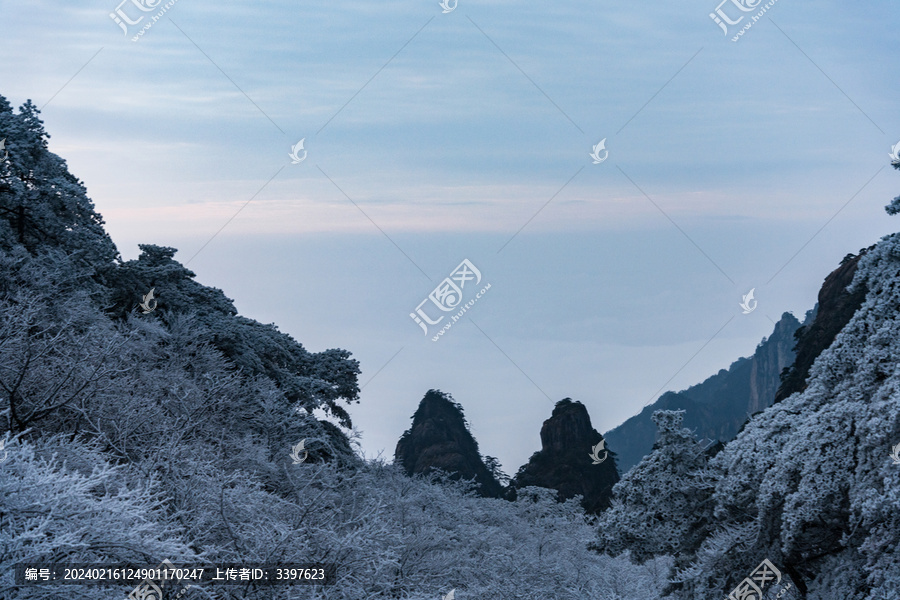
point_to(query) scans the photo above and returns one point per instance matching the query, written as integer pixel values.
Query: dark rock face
(439, 439)
(564, 464)
(718, 407)
(835, 308)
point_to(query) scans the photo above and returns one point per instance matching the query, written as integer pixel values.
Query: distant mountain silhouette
(439, 438)
(564, 464)
(718, 407)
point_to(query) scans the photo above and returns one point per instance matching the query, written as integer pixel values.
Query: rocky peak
(564, 464)
(439, 438)
(568, 428)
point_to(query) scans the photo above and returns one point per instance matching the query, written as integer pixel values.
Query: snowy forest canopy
(139, 438)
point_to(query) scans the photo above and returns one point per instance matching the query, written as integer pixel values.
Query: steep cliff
(564, 464)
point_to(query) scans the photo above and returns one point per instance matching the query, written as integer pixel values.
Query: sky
(433, 137)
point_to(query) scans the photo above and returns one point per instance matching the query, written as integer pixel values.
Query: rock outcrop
(564, 464)
(439, 438)
(835, 308)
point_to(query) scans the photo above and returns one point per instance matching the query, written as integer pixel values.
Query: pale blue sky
(746, 150)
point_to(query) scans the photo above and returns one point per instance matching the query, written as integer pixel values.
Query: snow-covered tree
(41, 203)
(323, 380)
(62, 501)
(50, 356)
(661, 506)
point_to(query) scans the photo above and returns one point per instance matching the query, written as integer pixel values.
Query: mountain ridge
(718, 406)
